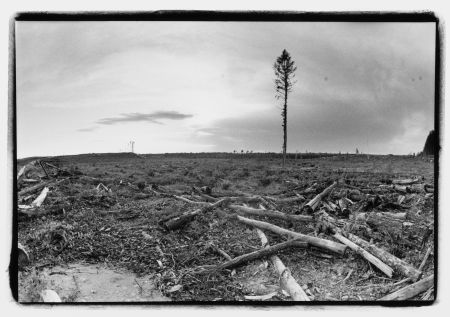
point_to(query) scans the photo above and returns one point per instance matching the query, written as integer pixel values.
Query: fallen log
(405, 181)
(34, 188)
(21, 172)
(366, 255)
(29, 180)
(40, 199)
(266, 251)
(399, 265)
(270, 213)
(388, 221)
(287, 281)
(314, 203)
(313, 241)
(402, 189)
(411, 290)
(179, 221)
(328, 223)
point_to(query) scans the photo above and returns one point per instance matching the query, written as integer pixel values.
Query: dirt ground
(119, 230)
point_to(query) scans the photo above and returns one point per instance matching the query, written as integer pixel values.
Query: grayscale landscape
(225, 161)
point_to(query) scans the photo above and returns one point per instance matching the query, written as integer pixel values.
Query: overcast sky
(86, 87)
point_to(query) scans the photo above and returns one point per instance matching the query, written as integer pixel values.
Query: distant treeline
(264, 155)
(110, 157)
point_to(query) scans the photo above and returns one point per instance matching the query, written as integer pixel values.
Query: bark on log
(287, 281)
(399, 265)
(411, 290)
(314, 203)
(259, 254)
(271, 214)
(313, 241)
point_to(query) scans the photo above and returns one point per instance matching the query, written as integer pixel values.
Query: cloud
(87, 129)
(145, 117)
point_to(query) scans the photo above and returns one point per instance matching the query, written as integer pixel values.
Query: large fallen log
(314, 203)
(287, 281)
(179, 221)
(313, 241)
(410, 291)
(399, 265)
(259, 254)
(366, 255)
(328, 223)
(270, 214)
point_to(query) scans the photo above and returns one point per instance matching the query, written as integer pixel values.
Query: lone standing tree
(284, 68)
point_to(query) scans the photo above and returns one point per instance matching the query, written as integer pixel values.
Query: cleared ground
(121, 229)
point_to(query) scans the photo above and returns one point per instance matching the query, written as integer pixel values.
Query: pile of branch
(314, 211)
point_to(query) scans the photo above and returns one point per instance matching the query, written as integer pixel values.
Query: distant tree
(357, 151)
(284, 68)
(430, 144)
